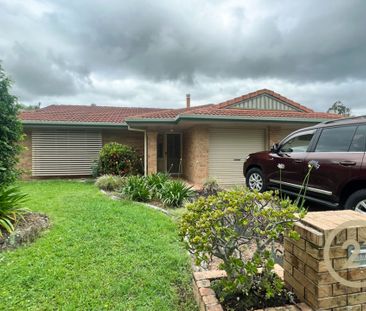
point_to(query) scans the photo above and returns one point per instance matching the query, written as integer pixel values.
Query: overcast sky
(151, 53)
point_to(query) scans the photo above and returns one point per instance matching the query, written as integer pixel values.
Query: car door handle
(298, 161)
(347, 163)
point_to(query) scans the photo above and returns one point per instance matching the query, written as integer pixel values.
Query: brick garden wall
(305, 267)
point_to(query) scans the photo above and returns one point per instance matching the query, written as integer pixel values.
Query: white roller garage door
(228, 149)
(64, 152)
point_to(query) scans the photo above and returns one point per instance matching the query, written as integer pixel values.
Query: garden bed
(207, 299)
(214, 263)
(26, 231)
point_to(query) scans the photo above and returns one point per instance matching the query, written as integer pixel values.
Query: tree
(11, 132)
(339, 108)
(30, 107)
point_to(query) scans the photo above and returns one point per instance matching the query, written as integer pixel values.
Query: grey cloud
(92, 50)
(168, 40)
(41, 73)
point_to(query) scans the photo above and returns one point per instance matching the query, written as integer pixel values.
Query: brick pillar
(152, 159)
(274, 135)
(306, 264)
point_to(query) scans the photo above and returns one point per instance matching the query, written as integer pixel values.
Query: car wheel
(255, 180)
(357, 201)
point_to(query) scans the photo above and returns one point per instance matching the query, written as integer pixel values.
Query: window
(298, 143)
(336, 139)
(359, 140)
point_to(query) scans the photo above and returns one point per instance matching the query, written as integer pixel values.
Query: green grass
(99, 254)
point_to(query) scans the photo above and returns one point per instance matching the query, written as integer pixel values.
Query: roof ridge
(256, 113)
(96, 106)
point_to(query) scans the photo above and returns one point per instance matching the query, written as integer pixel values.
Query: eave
(73, 124)
(223, 118)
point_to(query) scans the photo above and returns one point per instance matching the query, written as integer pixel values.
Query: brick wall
(126, 137)
(276, 133)
(306, 272)
(195, 155)
(25, 158)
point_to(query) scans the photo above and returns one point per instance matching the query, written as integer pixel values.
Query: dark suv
(339, 149)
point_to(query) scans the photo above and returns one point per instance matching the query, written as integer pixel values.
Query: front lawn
(99, 254)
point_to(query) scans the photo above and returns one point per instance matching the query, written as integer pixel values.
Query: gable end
(263, 102)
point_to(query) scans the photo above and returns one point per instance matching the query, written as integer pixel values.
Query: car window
(336, 139)
(359, 140)
(298, 143)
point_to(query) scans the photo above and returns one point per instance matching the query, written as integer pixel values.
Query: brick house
(196, 143)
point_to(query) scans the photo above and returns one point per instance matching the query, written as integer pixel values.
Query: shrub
(210, 187)
(10, 132)
(110, 182)
(174, 192)
(156, 182)
(95, 168)
(117, 159)
(11, 207)
(228, 226)
(136, 189)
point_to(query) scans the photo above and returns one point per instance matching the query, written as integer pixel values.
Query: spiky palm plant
(11, 207)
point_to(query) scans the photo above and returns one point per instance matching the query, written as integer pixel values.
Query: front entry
(174, 153)
(170, 153)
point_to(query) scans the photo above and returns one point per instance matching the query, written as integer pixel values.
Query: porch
(181, 153)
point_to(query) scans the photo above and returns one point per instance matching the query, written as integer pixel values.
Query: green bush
(95, 168)
(10, 132)
(110, 182)
(117, 159)
(136, 189)
(228, 225)
(156, 182)
(11, 207)
(210, 187)
(174, 192)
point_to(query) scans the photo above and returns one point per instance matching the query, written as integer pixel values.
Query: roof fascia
(227, 118)
(63, 123)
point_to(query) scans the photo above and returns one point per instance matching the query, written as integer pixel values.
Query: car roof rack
(345, 119)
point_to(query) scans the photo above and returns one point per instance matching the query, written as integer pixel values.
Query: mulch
(26, 231)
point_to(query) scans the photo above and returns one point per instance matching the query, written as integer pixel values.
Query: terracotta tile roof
(263, 113)
(88, 114)
(222, 110)
(118, 115)
(169, 113)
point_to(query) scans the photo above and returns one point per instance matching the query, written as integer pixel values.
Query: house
(196, 143)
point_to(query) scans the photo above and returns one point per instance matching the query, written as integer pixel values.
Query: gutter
(68, 123)
(225, 118)
(145, 145)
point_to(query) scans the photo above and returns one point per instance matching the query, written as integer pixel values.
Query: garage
(228, 149)
(64, 152)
